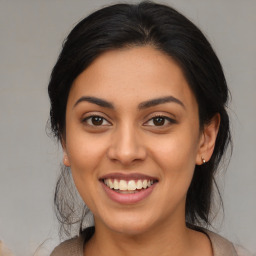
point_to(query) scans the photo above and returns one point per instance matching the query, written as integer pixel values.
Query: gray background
(31, 36)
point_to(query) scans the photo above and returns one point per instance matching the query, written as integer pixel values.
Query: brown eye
(159, 121)
(97, 120)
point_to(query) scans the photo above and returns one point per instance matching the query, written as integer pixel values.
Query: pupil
(96, 120)
(159, 121)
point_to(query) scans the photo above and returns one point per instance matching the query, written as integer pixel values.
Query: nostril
(126, 146)
(126, 154)
(125, 157)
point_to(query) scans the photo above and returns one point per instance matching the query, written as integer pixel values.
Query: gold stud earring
(203, 160)
(65, 160)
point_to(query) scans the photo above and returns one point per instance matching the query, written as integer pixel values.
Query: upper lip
(127, 176)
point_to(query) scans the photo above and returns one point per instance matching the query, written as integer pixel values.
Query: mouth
(128, 186)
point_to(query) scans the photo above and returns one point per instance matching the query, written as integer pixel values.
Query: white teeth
(144, 183)
(139, 184)
(123, 185)
(130, 185)
(111, 184)
(116, 185)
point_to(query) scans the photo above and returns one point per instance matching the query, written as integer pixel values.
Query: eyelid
(91, 115)
(169, 119)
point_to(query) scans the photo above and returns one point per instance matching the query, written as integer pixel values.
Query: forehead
(132, 75)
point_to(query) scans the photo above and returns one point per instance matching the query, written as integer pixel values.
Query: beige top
(74, 246)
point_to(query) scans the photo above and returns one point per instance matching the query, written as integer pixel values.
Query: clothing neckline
(220, 245)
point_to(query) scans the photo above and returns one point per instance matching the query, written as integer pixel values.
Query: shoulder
(74, 246)
(223, 247)
(71, 247)
(220, 245)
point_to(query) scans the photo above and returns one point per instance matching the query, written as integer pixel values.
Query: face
(132, 139)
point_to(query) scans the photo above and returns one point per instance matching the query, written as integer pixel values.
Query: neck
(165, 240)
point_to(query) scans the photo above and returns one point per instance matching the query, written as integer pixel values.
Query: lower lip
(128, 198)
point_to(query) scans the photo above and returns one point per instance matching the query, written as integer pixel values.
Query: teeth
(144, 183)
(123, 185)
(139, 184)
(116, 185)
(111, 184)
(130, 185)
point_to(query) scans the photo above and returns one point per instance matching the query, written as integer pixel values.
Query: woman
(138, 102)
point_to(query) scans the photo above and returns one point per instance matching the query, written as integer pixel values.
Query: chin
(130, 229)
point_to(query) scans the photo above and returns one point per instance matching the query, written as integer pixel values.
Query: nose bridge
(126, 145)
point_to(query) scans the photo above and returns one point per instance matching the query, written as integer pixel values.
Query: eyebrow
(94, 100)
(142, 105)
(158, 101)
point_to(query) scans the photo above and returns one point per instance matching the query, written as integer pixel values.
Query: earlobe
(207, 140)
(66, 160)
(203, 160)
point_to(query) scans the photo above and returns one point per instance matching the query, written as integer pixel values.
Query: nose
(126, 146)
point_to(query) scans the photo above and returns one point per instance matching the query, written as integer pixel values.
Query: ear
(65, 159)
(207, 140)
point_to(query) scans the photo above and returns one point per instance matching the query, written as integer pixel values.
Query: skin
(129, 140)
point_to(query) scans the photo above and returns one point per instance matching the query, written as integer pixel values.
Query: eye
(160, 121)
(95, 121)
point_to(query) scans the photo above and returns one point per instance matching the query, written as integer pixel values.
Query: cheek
(84, 151)
(86, 154)
(177, 149)
(176, 156)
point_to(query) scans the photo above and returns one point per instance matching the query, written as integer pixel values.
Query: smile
(130, 186)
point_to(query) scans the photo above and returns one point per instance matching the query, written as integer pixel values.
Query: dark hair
(162, 27)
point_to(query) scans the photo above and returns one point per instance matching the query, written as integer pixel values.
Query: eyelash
(165, 118)
(85, 120)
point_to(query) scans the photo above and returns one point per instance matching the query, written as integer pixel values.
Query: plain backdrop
(31, 36)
